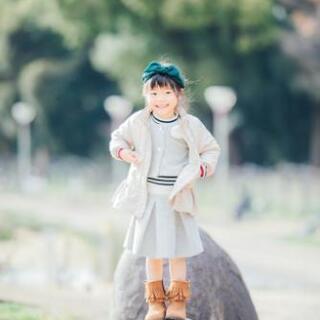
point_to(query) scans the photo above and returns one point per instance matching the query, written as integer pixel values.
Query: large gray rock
(218, 290)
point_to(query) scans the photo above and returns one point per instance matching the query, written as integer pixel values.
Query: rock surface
(218, 290)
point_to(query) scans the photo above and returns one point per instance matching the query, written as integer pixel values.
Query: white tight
(177, 268)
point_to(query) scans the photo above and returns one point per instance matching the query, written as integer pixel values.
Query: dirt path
(283, 276)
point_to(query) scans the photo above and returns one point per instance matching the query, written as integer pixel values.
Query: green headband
(157, 68)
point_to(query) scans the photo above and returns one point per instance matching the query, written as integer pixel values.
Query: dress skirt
(162, 232)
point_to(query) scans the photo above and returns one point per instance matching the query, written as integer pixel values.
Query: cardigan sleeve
(121, 138)
(208, 148)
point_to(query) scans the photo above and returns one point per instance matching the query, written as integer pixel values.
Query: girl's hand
(130, 156)
(203, 170)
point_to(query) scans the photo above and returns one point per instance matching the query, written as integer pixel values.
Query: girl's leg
(178, 268)
(154, 269)
(179, 289)
(154, 289)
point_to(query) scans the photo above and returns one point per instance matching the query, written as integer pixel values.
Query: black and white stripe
(157, 120)
(163, 180)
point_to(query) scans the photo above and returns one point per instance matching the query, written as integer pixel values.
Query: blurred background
(70, 73)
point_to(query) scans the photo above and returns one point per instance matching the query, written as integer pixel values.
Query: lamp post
(23, 114)
(119, 109)
(221, 100)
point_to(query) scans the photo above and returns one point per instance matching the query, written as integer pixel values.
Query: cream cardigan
(134, 133)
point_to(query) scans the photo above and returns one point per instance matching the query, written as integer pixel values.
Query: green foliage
(61, 84)
(69, 96)
(274, 116)
(22, 42)
(54, 54)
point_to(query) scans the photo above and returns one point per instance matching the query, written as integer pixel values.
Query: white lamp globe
(23, 113)
(118, 107)
(221, 99)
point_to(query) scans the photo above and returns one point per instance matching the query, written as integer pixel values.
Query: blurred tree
(40, 68)
(22, 42)
(202, 36)
(215, 42)
(19, 50)
(72, 93)
(302, 43)
(26, 34)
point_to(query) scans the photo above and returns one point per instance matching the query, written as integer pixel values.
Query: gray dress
(163, 232)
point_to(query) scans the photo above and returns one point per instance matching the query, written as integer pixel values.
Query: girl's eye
(168, 92)
(153, 93)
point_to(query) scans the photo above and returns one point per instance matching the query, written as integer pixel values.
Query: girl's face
(162, 101)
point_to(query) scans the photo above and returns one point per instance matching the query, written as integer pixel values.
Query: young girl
(168, 149)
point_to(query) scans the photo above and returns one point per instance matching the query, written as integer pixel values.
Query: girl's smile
(162, 107)
(162, 101)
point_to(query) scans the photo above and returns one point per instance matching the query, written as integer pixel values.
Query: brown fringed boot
(155, 297)
(178, 294)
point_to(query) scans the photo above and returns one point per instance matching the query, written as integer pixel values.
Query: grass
(10, 220)
(15, 311)
(222, 200)
(309, 240)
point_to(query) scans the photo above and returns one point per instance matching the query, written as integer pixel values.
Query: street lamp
(23, 114)
(221, 100)
(119, 109)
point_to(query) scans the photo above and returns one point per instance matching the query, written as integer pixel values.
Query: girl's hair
(161, 80)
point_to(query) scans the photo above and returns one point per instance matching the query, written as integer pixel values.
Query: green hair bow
(171, 71)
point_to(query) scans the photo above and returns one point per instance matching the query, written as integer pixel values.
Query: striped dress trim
(163, 180)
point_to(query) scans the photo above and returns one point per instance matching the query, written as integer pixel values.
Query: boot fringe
(179, 291)
(155, 294)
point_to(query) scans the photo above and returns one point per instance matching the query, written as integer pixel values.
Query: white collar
(157, 119)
